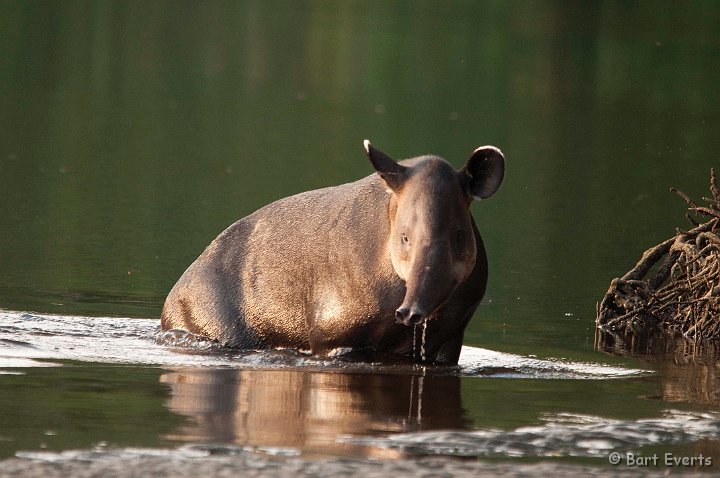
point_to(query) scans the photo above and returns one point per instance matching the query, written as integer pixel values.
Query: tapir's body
(315, 272)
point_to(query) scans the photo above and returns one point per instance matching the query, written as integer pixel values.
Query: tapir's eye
(405, 239)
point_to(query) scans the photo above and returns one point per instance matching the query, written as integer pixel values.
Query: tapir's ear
(391, 172)
(485, 170)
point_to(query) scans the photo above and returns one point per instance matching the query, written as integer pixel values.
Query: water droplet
(414, 341)
(422, 343)
(420, 394)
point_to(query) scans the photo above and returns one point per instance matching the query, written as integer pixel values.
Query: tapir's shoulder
(350, 191)
(368, 191)
(357, 200)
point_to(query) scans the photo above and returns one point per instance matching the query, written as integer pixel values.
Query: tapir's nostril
(408, 317)
(401, 315)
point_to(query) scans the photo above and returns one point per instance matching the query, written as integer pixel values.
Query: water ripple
(560, 435)
(140, 341)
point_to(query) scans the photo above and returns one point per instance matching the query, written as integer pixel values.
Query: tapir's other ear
(392, 173)
(485, 171)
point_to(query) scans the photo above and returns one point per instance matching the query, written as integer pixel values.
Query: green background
(132, 133)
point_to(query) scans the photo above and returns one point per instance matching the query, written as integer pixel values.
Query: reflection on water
(293, 412)
(687, 371)
(308, 411)
(282, 402)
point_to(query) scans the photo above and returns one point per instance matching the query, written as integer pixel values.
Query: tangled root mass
(675, 287)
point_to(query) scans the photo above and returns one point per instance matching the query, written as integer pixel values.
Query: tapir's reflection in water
(309, 411)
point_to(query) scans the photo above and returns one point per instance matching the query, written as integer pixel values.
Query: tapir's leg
(449, 352)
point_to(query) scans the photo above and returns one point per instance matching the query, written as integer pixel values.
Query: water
(33, 339)
(421, 345)
(131, 134)
(422, 340)
(196, 393)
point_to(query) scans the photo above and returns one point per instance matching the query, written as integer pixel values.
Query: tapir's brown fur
(351, 267)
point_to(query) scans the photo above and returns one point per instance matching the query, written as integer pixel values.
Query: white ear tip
(493, 148)
(366, 143)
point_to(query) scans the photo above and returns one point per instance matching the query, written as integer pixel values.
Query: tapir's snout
(409, 316)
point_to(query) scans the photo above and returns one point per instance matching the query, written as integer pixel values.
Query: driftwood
(675, 287)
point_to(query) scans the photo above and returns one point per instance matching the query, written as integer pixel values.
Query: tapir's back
(270, 275)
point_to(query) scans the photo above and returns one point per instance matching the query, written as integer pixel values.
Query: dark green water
(132, 133)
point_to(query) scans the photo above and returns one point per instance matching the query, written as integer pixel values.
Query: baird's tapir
(354, 267)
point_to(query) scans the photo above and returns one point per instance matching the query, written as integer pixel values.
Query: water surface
(102, 378)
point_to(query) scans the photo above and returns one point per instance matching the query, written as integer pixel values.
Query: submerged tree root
(675, 287)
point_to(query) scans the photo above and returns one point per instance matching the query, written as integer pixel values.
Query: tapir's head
(432, 243)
